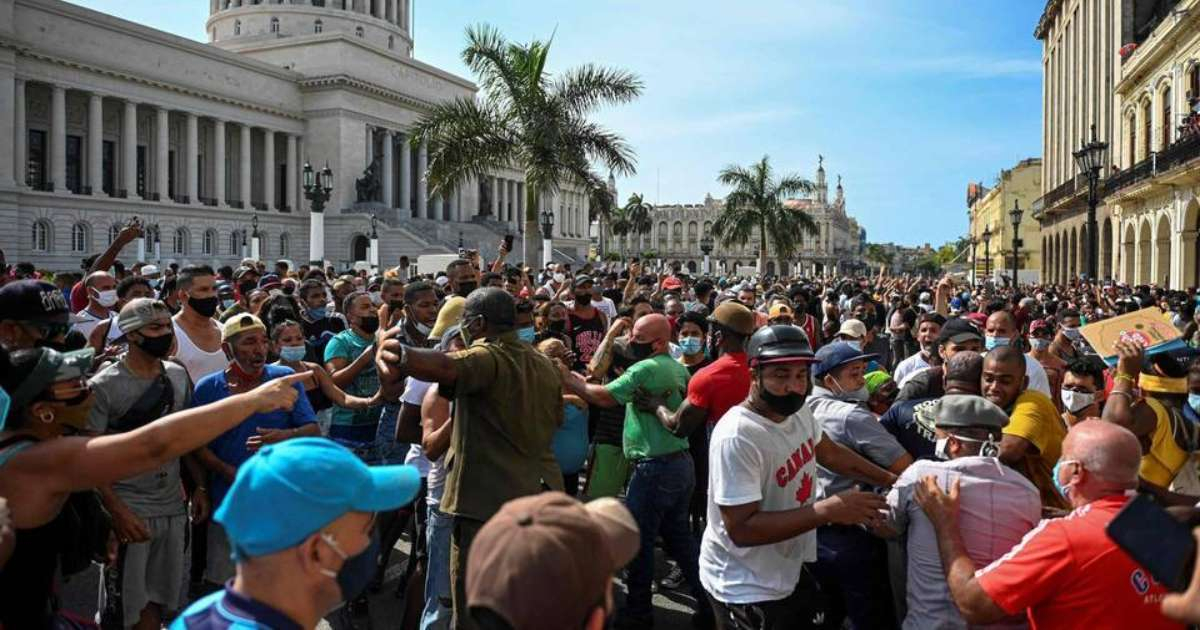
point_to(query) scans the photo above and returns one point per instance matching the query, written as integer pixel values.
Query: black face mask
(246, 287)
(784, 405)
(558, 325)
(583, 298)
(204, 306)
(369, 324)
(641, 350)
(465, 288)
(396, 306)
(157, 347)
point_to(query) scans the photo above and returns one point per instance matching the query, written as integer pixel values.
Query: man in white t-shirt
(762, 512)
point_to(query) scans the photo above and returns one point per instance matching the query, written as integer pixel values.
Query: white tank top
(198, 362)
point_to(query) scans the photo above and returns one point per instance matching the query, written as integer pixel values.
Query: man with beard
(244, 340)
(315, 321)
(349, 358)
(928, 327)
(762, 512)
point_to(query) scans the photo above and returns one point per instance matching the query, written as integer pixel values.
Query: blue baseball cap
(288, 491)
(837, 354)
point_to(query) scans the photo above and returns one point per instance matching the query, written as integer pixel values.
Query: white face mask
(559, 277)
(107, 299)
(1076, 401)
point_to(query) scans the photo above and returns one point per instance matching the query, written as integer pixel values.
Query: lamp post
(706, 246)
(1090, 159)
(987, 252)
(1015, 216)
(317, 186)
(547, 237)
(245, 248)
(157, 246)
(974, 267)
(255, 240)
(374, 257)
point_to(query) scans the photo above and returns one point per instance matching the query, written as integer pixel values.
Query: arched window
(262, 244)
(283, 245)
(1147, 130)
(79, 238)
(1131, 124)
(692, 228)
(237, 27)
(209, 243)
(235, 243)
(1166, 117)
(114, 231)
(274, 25)
(358, 30)
(180, 241)
(662, 235)
(677, 234)
(318, 26)
(41, 236)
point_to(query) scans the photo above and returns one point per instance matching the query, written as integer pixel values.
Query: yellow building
(991, 229)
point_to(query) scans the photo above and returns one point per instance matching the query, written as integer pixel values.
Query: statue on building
(368, 186)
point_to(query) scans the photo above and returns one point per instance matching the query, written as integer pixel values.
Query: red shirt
(1067, 573)
(79, 297)
(721, 385)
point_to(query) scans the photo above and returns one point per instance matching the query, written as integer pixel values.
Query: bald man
(1001, 330)
(660, 488)
(1066, 573)
(101, 289)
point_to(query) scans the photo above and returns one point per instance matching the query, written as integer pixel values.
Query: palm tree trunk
(531, 246)
(762, 249)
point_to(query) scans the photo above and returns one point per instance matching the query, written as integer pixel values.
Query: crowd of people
(244, 447)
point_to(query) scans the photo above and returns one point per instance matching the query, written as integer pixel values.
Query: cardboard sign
(1149, 327)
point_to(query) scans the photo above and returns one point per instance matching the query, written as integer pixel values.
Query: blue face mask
(292, 353)
(691, 345)
(1193, 402)
(1062, 490)
(5, 403)
(317, 313)
(228, 303)
(527, 334)
(995, 342)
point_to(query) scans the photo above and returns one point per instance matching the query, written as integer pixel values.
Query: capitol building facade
(205, 142)
(677, 231)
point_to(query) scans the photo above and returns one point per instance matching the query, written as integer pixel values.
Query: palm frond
(584, 88)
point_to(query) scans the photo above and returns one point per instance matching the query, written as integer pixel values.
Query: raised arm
(343, 371)
(127, 235)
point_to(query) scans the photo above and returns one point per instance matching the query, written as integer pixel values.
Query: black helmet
(779, 343)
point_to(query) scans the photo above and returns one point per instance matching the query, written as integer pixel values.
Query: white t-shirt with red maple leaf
(753, 458)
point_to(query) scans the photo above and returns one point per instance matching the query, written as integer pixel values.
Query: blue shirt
(570, 444)
(911, 423)
(230, 446)
(229, 610)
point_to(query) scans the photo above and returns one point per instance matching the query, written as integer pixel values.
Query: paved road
(673, 610)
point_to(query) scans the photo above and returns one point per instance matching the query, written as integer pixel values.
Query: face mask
(157, 347)
(376, 298)
(317, 313)
(395, 306)
(107, 299)
(292, 354)
(206, 307)
(421, 328)
(357, 571)
(5, 403)
(784, 405)
(858, 395)
(641, 350)
(857, 345)
(941, 448)
(527, 334)
(1063, 490)
(465, 288)
(1038, 343)
(690, 345)
(228, 303)
(246, 287)
(992, 342)
(369, 323)
(154, 284)
(583, 298)
(558, 325)
(1194, 402)
(1076, 401)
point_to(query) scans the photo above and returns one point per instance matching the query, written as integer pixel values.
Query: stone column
(519, 210)
(20, 135)
(269, 169)
(162, 160)
(244, 167)
(219, 162)
(455, 205)
(193, 159)
(289, 177)
(435, 207)
(129, 149)
(405, 175)
(96, 144)
(389, 198)
(495, 197)
(379, 11)
(423, 181)
(58, 138)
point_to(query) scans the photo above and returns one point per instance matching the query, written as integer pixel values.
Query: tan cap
(853, 329)
(449, 315)
(779, 310)
(735, 316)
(545, 560)
(239, 324)
(141, 312)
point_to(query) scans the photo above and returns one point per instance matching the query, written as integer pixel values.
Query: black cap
(33, 301)
(958, 330)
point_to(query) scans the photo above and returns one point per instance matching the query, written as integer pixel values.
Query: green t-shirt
(644, 435)
(348, 345)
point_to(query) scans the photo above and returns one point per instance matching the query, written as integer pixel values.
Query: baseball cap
(449, 315)
(837, 354)
(1039, 326)
(779, 310)
(979, 319)
(958, 330)
(141, 312)
(544, 560)
(876, 379)
(241, 271)
(52, 366)
(442, 281)
(672, 284)
(960, 410)
(735, 316)
(34, 301)
(956, 304)
(239, 324)
(305, 484)
(582, 280)
(150, 270)
(269, 281)
(853, 328)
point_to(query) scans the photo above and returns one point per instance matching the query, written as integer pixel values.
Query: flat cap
(959, 410)
(735, 316)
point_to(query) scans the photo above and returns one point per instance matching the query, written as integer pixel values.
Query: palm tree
(600, 208)
(757, 201)
(637, 212)
(619, 224)
(528, 119)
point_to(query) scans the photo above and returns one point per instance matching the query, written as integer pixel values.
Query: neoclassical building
(205, 142)
(990, 225)
(677, 229)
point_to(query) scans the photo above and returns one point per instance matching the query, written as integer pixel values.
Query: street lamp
(974, 266)
(317, 186)
(1015, 216)
(245, 249)
(1090, 159)
(255, 241)
(987, 252)
(157, 246)
(374, 257)
(706, 246)
(547, 237)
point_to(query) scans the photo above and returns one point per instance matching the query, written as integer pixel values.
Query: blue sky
(907, 99)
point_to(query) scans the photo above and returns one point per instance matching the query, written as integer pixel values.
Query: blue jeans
(437, 571)
(660, 491)
(387, 450)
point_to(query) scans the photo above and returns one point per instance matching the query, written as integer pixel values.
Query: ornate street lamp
(374, 257)
(547, 237)
(987, 252)
(317, 189)
(1015, 216)
(245, 248)
(1090, 159)
(706, 246)
(255, 240)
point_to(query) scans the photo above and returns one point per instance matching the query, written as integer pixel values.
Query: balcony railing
(1062, 191)
(1180, 152)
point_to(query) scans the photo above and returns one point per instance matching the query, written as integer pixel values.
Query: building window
(237, 27)
(210, 240)
(318, 26)
(108, 168)
(114, 231)
(235, 243)
(1194, 88)
(1167, 123)
(274, 25)
(79, 238)
(41, 236)
(391, 42)
(283, 245)
(1131, 149)
(35, 160)
(75, 164)
(180, 242)
(318, 3)
(1147, 131)
(358, 30)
